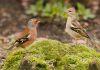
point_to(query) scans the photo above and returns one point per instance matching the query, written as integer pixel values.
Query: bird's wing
(22, 40)
(24, 32)
(76, 24)
(19, 41)
(79, 29)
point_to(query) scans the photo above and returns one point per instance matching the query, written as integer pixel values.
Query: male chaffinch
(28, 35)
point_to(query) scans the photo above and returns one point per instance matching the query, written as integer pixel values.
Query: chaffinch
(74, 28)
(28, 35)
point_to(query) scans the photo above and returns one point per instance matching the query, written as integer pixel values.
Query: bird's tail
(11, 46)
(7, 49)
(94, 42)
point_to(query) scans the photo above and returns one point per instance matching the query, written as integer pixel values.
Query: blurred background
(14, 15)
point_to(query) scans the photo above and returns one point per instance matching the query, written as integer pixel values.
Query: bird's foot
(77, 42)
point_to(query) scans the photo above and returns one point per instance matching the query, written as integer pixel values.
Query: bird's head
(33, 23)
(71, 11)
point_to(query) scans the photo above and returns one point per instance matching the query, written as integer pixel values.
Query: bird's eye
(70, 11)
(36, 20)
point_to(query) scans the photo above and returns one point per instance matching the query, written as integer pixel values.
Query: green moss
(53, 55)
(13, 60)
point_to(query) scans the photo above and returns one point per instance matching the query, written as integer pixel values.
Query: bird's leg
(74, 42)
(78, 41)
(81, 41)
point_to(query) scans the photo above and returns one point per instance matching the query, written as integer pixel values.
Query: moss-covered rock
(52, 55)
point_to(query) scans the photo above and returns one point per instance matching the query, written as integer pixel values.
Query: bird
(73, 26)
(27, 36)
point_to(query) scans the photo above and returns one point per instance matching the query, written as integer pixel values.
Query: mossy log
(52, 55)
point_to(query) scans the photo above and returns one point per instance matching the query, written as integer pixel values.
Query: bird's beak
(38, 21)
(66, 13)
